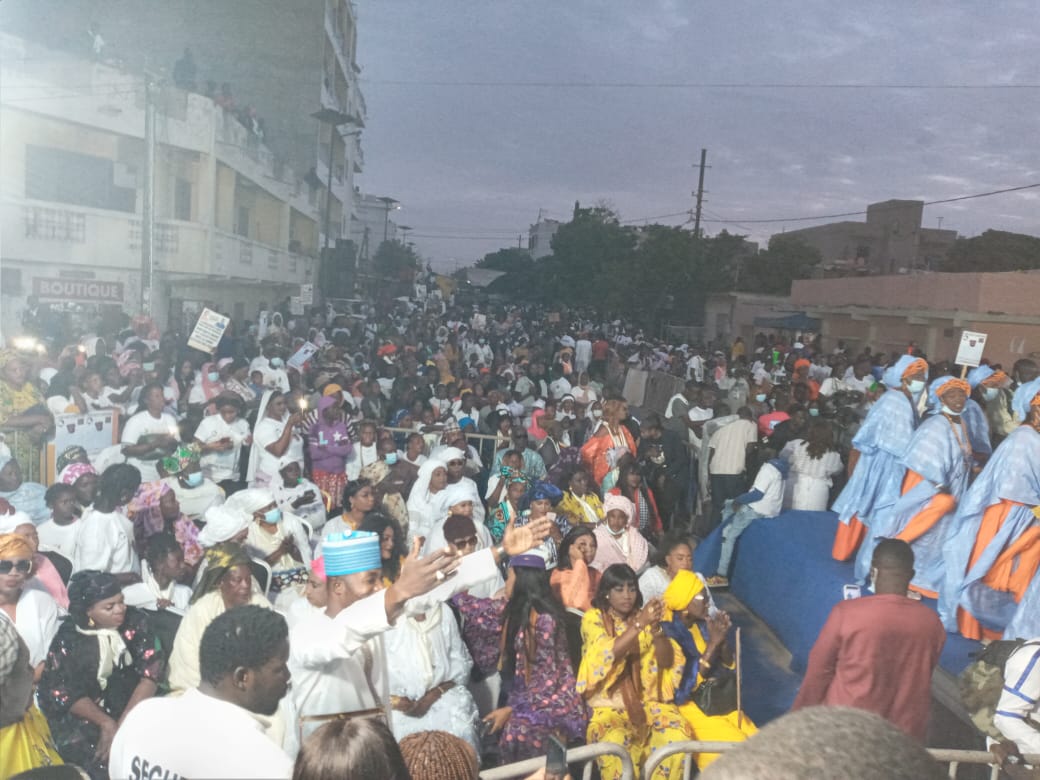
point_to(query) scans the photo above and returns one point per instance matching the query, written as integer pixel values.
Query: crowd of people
(447, 528)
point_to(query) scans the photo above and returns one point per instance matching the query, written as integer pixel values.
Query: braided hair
(438, 755)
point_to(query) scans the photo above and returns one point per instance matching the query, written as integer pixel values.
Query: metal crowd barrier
(585, 754)
(954, 758)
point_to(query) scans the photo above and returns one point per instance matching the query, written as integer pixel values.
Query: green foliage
(508, 260)
(994, 250)
(396, 259)
(772, 270)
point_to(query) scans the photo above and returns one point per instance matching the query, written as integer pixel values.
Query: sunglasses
(468, 542)
(22, 566)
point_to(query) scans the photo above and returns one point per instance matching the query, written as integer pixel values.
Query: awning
(795, 321)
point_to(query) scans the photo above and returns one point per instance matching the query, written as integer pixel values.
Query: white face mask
(989, 393)
(596, 414)
(915, 386)
(949, 411)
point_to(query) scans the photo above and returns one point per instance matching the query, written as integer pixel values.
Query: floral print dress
(71, 673)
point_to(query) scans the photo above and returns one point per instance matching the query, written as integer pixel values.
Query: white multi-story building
(539, 237)
(373, 223)
(232, 228)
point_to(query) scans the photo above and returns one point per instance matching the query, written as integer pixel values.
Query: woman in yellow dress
(699, 643)
(624, 648)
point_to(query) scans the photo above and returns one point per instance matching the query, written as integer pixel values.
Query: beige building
(232, 226)
(929, 309)
(891, 240)
(732, 314)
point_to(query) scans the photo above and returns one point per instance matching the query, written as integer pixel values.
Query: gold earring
(90, 622)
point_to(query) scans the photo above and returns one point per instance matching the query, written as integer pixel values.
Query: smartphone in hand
(556, 760)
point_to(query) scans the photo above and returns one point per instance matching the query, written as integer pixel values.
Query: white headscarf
(223, 523)
(254, 451)
(250, 500)
(9, 522)
(424, 507)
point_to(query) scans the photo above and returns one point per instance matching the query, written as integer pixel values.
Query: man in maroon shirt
(877, 653)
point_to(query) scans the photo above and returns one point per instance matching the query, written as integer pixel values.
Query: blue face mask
(213, 376)
(761, 398)
(989, 393)
(194, 479)
(391, 458)
(916, 386)
(273, 516)
(814, 412)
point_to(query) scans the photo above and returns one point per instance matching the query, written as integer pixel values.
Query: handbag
(716, 695)
(720, 693)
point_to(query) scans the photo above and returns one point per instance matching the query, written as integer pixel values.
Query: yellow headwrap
(331, 388)
(14, 546)
(684, 586)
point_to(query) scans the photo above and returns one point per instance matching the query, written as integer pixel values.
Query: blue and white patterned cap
(351, 552)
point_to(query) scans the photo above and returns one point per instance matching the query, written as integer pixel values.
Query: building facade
(890, 241)
(285, 61)
(929, 309)
(372, 224)
(233, 227)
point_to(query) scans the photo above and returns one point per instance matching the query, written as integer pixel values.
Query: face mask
(276, 362)
(148, 366)
(814, 412)
(391, 458)
(949, 411)
(989, 393)
(916, 386)
(761, 398)
(272, 516)
(194, 479)
(213, 376)
(596, 414)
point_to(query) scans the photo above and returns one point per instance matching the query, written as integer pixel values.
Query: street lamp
(389, 204)
(404, 229)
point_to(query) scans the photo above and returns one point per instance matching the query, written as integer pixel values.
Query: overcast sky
(474, 164)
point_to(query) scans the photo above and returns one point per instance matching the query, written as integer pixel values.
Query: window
(182, 200)
(242, 222)
(70, 177)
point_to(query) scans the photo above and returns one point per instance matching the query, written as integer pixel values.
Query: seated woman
(391, 543)
(280, 539)
(574, 581)
(358, 500)
(104, 534)
(535, 662)
(622, 648)
(699, 645)
(632, 486)
(674, 554)
(429, 692)
(617, 540)
(33, 612)
(158, 594)
(514, 488)
(28, 497)
(580, 503)
(226, 581)
(45, 575)
(103, 662)
(425, 502)
(299, 496)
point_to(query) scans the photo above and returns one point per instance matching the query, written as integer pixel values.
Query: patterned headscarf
(182, 458)
(74, 471)
(14, 546)
(87, 588)
(73, 454)
(144, 508)
(545, 490)
(614, 501)
(219, 560)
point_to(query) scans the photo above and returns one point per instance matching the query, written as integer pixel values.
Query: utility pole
(700, 195)
(148, 200)
(519, 240)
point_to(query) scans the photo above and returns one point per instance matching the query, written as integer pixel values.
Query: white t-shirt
(267, 432)
(218, 466)
(143, 424)
(771, 482)
(105, 541)
(58, 538)
(194, 735)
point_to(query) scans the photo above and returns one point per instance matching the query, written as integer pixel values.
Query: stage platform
(783, 572)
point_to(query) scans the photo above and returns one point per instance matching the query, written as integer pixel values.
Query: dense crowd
(447, 527)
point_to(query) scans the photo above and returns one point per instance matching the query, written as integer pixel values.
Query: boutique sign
(83, 290)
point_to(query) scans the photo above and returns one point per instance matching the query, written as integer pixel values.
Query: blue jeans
(735, 521)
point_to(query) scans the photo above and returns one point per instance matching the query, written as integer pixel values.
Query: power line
(694, 84)
(864, 211)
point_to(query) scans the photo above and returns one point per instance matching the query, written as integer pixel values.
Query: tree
(509, 260)
(994, 250)
(397, 259)
(773, 269)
